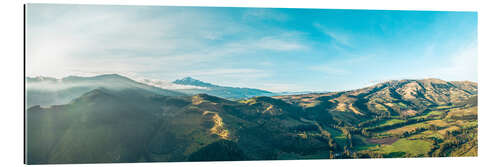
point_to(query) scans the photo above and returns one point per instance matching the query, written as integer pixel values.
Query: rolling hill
(392, 98)
(48, 91)
(404, 118)
(132, 125)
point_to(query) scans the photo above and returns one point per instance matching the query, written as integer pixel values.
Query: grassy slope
(134, 126)
(137, 126)
(405, 148)
(423, 143)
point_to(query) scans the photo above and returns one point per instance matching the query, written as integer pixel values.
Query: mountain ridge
(193, 82)
(206, 127)
(51, 91)
(217, 90)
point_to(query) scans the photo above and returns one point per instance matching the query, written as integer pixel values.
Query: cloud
(458, 65)
(90, 38)
(279, 44)
(235, 77)
(63, 39)
(341, 66)
(244, 47)
(282, 87)
(339, 39)
(330, 70)
(463, 65)
(222, 72)
(264, 14)
(266, 43)
(266, 63)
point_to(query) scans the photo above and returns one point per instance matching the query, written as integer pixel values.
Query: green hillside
(407, 118)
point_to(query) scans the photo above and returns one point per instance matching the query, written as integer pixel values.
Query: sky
(275, 49)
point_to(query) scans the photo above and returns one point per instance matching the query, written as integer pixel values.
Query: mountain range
(61, 91)
(128, 121)
(220, 91)
(46, 91)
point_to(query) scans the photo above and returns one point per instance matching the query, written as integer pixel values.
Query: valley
(403, 118)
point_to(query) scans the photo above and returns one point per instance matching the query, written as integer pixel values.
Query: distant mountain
(50, 91)
(193, 82)
(403, 118)
(297, 93)
(168, 85)
(220, 91)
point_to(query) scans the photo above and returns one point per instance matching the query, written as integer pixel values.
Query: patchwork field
(137, 125)
(436, 134)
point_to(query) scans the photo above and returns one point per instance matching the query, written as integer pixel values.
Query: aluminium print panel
(124, 84)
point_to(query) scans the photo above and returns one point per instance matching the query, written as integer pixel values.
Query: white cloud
(285, 41)
(239, 77)
(458, 66)
(266, 14)
(273, 43)
(330, 70)
(68, 40)
(221, 71)
(339, 67)
(339, 37)
(283, 87)
(462, 65)
(168, 85)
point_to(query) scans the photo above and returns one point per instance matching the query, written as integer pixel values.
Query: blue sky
(272, 49)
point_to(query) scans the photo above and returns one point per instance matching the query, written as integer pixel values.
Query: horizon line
(372, 83)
